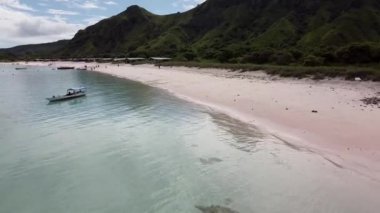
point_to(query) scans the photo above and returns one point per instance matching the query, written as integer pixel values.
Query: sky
(41, 21)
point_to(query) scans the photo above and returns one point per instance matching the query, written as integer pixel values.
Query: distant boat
(82, 68)
(65, 68)
(21, 68)
(70, 94)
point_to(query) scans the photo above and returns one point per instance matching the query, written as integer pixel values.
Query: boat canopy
(160, 58)
(76, 89)
(135, 59)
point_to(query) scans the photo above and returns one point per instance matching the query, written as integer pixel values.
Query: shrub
(224, 56)
(296, 54)
(209, 54)
(363, 74)
(189, 55)
(312, 61)
(258, 57)
(233, 61)
(355, 54)
(328, 57)
(375, 53)
(282, 58)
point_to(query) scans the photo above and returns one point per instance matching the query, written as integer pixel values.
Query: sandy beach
(326, 117)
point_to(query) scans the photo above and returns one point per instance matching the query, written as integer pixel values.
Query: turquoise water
(128, 147)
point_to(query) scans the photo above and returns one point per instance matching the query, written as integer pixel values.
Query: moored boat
(65, 68)
(70, 94)
(20, 68)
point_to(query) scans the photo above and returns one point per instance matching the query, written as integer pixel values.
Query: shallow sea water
(128, 147)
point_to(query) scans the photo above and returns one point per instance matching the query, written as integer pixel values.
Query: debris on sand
(371, 101)
(314, 111)
(215, 209)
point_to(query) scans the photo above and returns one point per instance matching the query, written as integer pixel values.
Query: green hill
(311, 32)
(33, 50)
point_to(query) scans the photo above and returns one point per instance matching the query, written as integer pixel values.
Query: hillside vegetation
(282, 32)
(33, 50)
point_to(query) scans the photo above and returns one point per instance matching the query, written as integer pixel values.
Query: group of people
(92, 68)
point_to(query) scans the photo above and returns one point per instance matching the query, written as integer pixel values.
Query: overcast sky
(40, 21)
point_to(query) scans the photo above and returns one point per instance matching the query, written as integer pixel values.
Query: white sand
(344, 129)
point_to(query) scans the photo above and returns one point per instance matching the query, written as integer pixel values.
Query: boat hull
(65, 68)
(65, 97)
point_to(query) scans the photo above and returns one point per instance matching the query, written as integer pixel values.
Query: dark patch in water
(210, 161)
(246, 137)
(215, 209)
(228, 201)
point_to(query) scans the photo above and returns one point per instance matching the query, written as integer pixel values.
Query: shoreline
(344, 129)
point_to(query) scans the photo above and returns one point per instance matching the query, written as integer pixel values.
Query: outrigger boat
(71, 93)
(65, 68)
(21, 68)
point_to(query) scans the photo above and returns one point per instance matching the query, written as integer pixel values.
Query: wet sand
(325, 117)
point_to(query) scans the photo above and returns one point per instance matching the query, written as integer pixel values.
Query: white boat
(71, 93)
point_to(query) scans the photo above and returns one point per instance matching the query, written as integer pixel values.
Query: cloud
(187, 4)
(15, 4)
(110, 3)
(89, 5)
(84, 4)
(94, 19)
(21, 27)
(62, 12)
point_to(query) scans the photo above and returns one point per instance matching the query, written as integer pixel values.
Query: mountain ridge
(253, 31)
